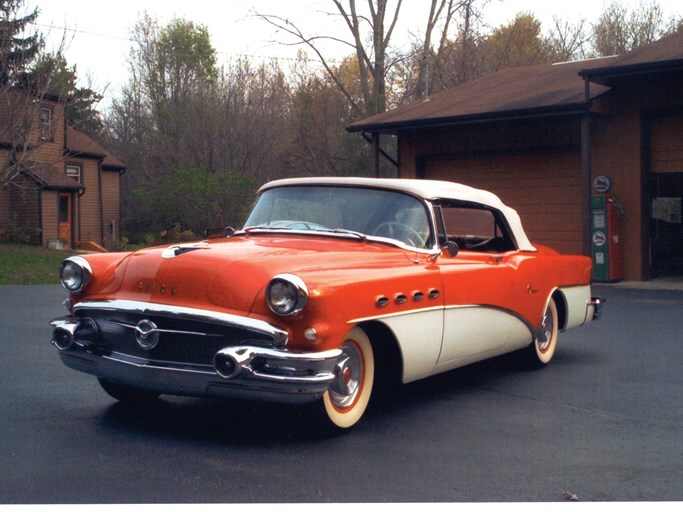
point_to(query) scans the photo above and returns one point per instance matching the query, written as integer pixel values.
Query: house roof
(80, 144)
(548, 89)
(50, 176)
(665, 54)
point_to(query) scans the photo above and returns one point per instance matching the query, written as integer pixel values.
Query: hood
(232, 273)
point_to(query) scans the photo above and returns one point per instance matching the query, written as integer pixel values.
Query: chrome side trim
(279, 336)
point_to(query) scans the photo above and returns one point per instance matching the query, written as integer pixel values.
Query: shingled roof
(530, 91)
(79, 144)
(50, 176)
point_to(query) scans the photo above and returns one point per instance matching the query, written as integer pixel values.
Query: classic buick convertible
(332, 284)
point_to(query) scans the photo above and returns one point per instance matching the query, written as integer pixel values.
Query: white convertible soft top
(426, 189)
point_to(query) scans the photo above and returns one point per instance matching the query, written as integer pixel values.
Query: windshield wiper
(251, 229)
(337, 231)
(342, 231)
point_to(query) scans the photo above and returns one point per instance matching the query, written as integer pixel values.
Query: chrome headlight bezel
(286, 295)
(75, 273)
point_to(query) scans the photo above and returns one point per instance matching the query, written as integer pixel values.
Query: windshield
(365, 211)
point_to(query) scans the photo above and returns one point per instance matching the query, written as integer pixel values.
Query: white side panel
(578, 298)
(475, 333)
(419, 337)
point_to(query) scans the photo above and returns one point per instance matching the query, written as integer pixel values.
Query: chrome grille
(181, 339)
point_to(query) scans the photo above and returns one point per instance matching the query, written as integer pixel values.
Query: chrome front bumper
(242, 371)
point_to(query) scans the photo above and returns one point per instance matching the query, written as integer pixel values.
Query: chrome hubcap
(348, 374)
(547, 327)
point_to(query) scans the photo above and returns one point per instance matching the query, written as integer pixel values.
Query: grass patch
(29, 264)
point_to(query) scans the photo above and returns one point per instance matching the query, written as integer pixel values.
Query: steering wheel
(398, 231)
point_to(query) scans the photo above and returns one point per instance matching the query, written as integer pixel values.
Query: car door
(483, 286)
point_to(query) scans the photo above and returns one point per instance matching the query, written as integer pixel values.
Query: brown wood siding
(50, 214)
(545, 189)
(666, 144)
(89, 203)
(111, 207)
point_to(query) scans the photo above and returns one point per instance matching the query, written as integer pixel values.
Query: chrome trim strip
(392, 315)
(279, 336)
(444, 309)
(156, 329)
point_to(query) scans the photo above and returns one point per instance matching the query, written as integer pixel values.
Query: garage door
(666, 190)
(545, 189)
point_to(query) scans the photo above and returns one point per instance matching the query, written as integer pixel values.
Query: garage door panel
(545, 189)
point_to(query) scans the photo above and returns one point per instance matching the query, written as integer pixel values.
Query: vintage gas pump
(605, 233)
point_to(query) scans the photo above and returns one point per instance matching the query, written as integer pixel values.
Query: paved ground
(603, 422)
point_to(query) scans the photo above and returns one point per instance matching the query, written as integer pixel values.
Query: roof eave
(569, 109)
(604, 75)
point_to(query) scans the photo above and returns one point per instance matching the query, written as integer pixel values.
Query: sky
(98, 33)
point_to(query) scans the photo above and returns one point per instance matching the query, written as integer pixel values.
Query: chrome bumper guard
(245, 371)
(596, 303)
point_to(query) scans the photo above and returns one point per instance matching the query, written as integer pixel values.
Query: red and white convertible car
(331, 284)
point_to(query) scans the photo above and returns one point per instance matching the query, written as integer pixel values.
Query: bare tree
(619, 29)
(370, 36)
(568, 41)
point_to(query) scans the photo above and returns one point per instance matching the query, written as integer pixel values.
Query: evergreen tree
(17, 50)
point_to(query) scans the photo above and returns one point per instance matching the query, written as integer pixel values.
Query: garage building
(551, 139)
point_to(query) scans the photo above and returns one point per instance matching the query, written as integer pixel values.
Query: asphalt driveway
(603, 422)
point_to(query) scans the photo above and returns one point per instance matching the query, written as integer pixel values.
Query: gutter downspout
(375, 154)
(101, 206)
(586, 172)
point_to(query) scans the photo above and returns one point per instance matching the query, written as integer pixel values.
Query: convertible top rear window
(474, 228)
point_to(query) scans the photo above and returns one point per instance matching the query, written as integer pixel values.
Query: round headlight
(286, 295)
(75, 273)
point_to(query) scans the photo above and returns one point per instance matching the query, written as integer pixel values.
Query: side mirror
(451, 248)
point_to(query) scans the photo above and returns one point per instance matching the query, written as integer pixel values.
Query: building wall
(50, 215)
(49, 150)
(621, 145)
(111, 211)
(90, 228)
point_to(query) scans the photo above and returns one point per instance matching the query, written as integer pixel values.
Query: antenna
(425, 63)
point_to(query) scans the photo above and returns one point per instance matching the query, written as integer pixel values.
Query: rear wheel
(349, 394)
(541, 351)
(127, 394)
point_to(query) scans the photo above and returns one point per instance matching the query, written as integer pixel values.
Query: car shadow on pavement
(267, 424)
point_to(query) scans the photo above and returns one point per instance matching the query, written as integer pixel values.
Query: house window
(46, 123)
(74, 171)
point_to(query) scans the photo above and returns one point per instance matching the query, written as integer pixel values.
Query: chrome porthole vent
(382, 301)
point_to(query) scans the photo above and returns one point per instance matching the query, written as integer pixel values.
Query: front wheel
(541, 351)
(349, 394)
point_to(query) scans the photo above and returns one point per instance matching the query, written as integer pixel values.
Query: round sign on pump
(602, 184)
(599, 238)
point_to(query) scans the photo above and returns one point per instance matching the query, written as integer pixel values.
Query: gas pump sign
(599, 237)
